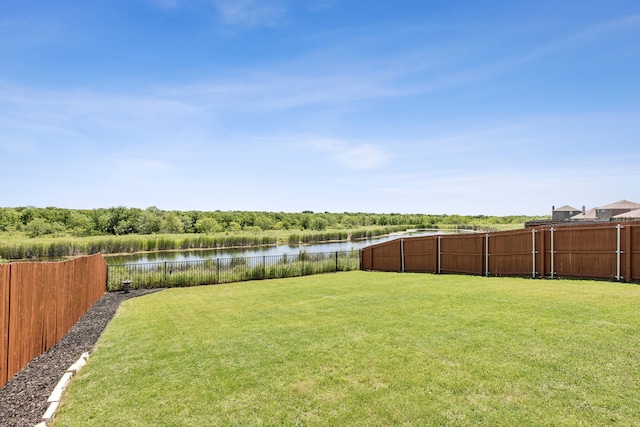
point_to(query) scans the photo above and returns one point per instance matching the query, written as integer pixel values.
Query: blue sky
(412, 106)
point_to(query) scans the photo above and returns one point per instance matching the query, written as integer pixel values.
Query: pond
(204, 254)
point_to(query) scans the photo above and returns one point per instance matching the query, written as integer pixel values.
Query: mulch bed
(23, 400)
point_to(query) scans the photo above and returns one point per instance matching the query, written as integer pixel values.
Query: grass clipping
(363, 348)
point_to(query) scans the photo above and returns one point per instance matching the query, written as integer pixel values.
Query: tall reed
(68, 247)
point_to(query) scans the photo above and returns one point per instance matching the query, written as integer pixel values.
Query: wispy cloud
(584, 36)
(165, 4)
(341, 75)
(32, 109)
(358, 156)
(500, 190)
(317, 5)
(250, 12)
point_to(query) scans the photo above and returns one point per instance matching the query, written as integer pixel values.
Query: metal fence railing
(226, 270)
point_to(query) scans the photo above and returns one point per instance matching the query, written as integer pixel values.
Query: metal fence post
(533, 242)
(553, 251)
(487, 255)
(336, 261)
(618, 253)
(439, 260)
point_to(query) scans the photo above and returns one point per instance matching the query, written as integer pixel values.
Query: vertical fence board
(634, 252)
(63, 294)
(541, 250)
(19, 331)
(50, 296)
(38, 303)
(547, 236)
(5, 270)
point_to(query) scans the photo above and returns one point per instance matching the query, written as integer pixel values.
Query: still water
(197, 255)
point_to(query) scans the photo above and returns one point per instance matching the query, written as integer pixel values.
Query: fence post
(336, 261)
(217, 270)
(628, 254)
(533, 241)
(552, 253)
(439, 260)
(402, 255)
(618, 252)
(487, 255)
(165, 274)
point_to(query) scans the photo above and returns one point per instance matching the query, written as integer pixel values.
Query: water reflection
(203, 254)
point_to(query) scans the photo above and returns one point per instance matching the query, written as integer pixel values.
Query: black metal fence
(226, 270)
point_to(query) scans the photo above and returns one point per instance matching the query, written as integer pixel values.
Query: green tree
(40, 227)
(318, 223)
(10, 220)
(234, 226)
(208, 225)
(150, 221)
(264, 222)
(173, 223)
(79, 224)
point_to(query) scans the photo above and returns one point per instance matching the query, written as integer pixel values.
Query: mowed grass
(362, 348)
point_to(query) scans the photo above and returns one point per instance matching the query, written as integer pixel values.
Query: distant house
(622, 210)
(605, 213)
(564, 213)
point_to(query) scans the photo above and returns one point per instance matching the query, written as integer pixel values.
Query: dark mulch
(23, 400)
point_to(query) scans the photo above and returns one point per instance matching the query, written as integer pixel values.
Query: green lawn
(369, 349)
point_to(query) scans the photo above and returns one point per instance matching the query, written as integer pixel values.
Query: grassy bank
(364, 348)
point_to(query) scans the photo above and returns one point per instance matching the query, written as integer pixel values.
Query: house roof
(567, 208)
(588, 215)
(622, 204)
(631, 214)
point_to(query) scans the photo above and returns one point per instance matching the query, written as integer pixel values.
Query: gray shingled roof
(631, 214)
(567, 208)
(588, 215)
(622, 204)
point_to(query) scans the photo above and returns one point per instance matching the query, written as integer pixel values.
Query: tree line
(120, 220)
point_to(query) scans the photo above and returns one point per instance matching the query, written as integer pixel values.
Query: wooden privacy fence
(599, 251)
(40, 302)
